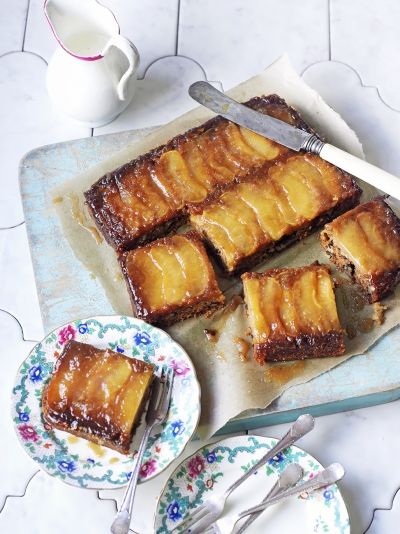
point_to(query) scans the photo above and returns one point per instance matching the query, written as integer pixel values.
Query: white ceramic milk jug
(91, 77)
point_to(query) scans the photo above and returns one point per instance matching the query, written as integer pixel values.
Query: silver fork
(328, 476)
(290, 476)
(157, 411)
(208, 512)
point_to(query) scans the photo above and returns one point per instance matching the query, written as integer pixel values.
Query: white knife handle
(365, 171)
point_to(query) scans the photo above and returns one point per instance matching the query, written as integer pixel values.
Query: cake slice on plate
(97, 394)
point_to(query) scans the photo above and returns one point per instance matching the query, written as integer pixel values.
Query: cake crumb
(243, 348)
(211, 335)
(378, 312)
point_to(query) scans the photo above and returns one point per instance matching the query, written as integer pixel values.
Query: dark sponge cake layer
(301, 347)
(149, 196)
(365, 243)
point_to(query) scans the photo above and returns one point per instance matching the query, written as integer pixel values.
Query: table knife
(292, 137)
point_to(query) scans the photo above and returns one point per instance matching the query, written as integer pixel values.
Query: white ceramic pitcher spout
(91, 76)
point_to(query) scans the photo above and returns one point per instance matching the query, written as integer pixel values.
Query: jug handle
(133, 57)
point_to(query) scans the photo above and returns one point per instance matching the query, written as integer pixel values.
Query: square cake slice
(273, 209)
(97, 394)
(292, 314)
(365, 243)
(171, 279)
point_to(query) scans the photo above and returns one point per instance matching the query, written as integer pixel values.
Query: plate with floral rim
(82, 463)
(213, 468)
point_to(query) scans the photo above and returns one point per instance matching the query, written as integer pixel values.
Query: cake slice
(149, 196)
(292, 314)
(171, 279)
(365, 243)
(270, 210)
(97, 394)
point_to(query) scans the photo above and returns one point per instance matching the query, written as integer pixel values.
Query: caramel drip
(368, 237)
(78, 215)
(290, 302)
(254, 213)
(98, 450)
(284, 372)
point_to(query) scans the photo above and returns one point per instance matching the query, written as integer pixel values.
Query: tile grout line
(2, 310)
(11, 227)
(177, 28)
(26, 25)
(19, 496)
(329, 32)
(382, 510)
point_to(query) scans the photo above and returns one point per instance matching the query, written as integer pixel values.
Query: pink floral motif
(28, 433)
(148, 468)
(65, 334)
(180, 368)
(195, 466)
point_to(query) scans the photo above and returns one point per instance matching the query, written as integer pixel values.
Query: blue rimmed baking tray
(364, 380)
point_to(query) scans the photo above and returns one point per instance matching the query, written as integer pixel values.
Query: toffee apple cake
(269, 211)
(171, 279)
(149, 196)
(365, 243)
(292, 314)
(97, 394)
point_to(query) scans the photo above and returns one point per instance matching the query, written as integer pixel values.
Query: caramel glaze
(97, 394)
(253, 215)
(291, 312)
(143, 199)
(169, 276)
(366, 242)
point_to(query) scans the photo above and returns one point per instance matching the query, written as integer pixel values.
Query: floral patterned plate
(78, 461)
(215, 467)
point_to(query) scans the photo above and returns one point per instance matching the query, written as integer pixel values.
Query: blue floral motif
(90, 460)
(23, 416)
(120, 349)
(328, 495)
(142, 338)
(277, 459)
(173, 511)
(177, 428)
(187, 382)
(211, 457)
(35, 373)
(128, 475)
(83, 328)
(66, 467)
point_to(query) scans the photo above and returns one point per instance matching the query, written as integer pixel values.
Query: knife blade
(274, 129)
(291, 137)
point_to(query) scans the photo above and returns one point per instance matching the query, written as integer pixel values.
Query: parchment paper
(229, 384)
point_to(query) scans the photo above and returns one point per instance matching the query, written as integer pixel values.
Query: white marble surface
(348, 51)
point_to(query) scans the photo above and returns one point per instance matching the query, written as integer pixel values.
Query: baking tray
(68, 291)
